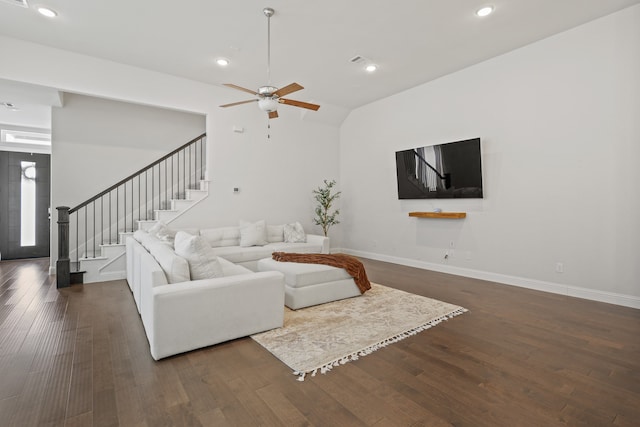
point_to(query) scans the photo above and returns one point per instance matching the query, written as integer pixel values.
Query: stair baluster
(90, 229)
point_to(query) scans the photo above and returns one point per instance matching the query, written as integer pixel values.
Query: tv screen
(445, 171)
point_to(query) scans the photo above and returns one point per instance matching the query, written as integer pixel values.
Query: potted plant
(325, 197)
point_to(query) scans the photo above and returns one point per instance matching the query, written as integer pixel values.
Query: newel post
(63, 264)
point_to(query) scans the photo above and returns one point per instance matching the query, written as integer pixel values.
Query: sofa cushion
(275, 233)
(203, 262)
(239, 254)
(294, 233)
(299, 275)
(194, 231)
(253, 234)
(139, 235)
(221, 236)
(231, 269)
(174, 266)
(300, 248)
(147, 239)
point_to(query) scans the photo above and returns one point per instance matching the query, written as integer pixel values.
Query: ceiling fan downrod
(268, 96)
(268, 12)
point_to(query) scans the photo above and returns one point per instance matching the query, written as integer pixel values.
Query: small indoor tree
(325, 198)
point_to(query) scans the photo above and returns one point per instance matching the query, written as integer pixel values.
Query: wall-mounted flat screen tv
(445, 171)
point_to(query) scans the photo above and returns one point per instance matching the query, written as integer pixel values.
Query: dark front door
(24, 205)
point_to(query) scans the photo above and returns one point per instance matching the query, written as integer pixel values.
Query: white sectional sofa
(180, 314)
(226, 243)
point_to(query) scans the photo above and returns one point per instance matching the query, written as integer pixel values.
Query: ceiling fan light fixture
(267, 91)
(269, 96)
(484, 11)
(268, 104)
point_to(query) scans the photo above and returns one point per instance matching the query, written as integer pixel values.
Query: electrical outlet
(559, 267)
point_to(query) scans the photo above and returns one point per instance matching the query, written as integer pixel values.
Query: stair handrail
(446, 177)
(63, 270)
(135, 174)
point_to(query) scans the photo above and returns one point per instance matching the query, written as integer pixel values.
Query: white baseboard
(523, 282)
(52, 270)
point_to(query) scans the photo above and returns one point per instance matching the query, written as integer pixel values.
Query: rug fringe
(368, 350)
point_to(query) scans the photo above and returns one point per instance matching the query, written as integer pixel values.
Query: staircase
(92, 235)
(108, 262)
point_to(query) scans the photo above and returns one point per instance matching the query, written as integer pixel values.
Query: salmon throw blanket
(353, 266)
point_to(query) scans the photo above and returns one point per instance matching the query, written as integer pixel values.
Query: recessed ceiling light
(223, 62)
(371, 68)
(484, 11)
(10, 106)
(49, 13)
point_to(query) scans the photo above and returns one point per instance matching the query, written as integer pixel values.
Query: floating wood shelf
(448, 215)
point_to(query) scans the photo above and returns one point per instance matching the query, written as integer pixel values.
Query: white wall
(559, 122)
(276, 177)
(97, 142)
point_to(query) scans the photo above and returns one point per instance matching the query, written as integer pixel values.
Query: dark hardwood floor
(79, 357)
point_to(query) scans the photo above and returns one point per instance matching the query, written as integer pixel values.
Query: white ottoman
(311, 284)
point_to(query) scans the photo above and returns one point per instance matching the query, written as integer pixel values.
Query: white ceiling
(412, 41)
(32, 104)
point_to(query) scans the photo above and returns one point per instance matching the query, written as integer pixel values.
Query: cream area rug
(317, 339)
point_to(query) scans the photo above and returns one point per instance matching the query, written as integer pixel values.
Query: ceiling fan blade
(293, 87)
(273, 115)
(231, 85)
(239, 103)
(301, 104)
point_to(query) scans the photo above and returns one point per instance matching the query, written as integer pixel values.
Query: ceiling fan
(268, 97)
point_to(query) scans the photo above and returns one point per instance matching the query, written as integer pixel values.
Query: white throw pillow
(162, 231)
(253, 234)
(203, 262)
(294, 233)
(174, 266)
